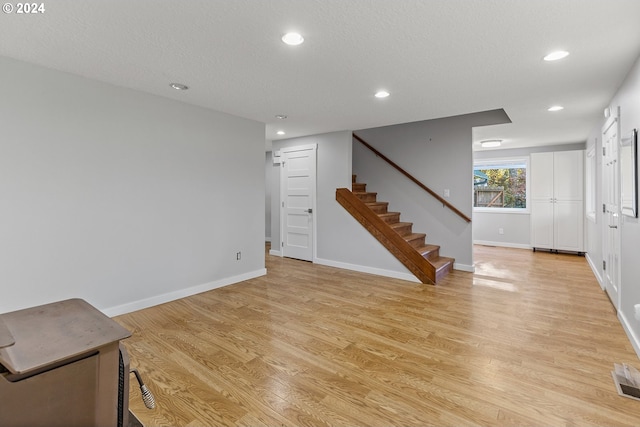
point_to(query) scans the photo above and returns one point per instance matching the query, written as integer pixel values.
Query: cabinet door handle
(613, 226)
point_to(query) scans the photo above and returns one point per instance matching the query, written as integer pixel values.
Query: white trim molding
(635, 340)
(464, 267)
(182, 293)
(595, 271)
(371, 270)
(502, 244)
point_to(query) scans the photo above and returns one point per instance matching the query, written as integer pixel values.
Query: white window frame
(506, 161)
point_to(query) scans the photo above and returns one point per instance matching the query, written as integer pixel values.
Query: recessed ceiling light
(281, 116)
(491, 143)
(280, 132)
(554, 56)
(381, 94)
(178, 86)
(556, 108)
(293, 39)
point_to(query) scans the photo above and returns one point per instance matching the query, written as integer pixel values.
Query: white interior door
(298, 184)
(611, 200)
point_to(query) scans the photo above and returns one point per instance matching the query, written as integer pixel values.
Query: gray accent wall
(439, 154)
(122, 198)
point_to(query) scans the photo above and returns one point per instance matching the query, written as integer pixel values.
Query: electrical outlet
(500, 230)
(447, 193)
(238, 256)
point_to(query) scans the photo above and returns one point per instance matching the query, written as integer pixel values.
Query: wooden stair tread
(389, 217)
(442, 262)
(428, 248)
(400, 224)
(377, 207)
(413, 236)
(402, 228)
(387, 214)
(366, 196)
(443, 266)
(429, 251)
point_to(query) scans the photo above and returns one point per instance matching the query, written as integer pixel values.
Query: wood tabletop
(51, 333)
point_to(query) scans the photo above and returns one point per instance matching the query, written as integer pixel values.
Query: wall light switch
(446, 192)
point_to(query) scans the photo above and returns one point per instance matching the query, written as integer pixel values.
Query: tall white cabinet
(557, 201)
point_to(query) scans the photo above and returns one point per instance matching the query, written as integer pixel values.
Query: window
(500, 185)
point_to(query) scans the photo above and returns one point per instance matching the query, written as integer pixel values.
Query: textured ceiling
(437, 58)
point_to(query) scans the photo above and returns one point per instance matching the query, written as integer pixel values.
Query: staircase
(422, 259)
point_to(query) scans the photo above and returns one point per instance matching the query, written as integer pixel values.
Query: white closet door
(542, 176)
(568, 225)
(542, 225)
(568, 167)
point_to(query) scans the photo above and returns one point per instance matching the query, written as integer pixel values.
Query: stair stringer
(392, 241)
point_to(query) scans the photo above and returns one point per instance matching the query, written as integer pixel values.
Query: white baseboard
(274, 252)
(267, 239)
(182, 293)
(371, 270)
(595, 270)
(464, 267)
(635, 340)
(382, 272)
(502, 244)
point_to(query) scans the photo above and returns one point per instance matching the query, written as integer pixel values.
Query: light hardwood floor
(529, 339)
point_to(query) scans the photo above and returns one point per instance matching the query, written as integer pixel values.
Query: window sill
(502, 211)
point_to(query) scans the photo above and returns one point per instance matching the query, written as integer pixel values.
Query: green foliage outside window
(506, 187)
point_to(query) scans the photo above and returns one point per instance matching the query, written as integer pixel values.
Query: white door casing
(298, 201)
(611, 201)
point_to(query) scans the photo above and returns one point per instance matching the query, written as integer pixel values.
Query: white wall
(516, 229)
(628, 99)
(516, 226)
(439, 154)
(121, 198)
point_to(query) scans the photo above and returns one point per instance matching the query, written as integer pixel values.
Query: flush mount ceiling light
(280, 132)
(554, 56)
(491, 143)
(556, 108)
(178, 86)
(293, 39)
(281, 116)
(381, 94)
